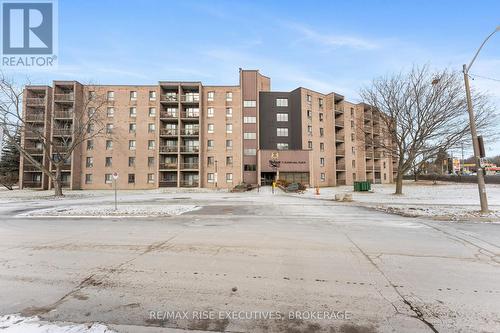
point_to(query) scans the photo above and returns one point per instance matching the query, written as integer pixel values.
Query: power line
(484, 77)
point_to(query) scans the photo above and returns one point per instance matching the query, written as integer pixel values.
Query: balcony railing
(340, 166)
(32, 184)
(189, 183)
(339, 137)
(341, 182)
(190, 115)
(368, 117)
(168, 132)
(369, 154)
(339, 111)
(339, 122)
(377, 169)
(30, 167)
(66, 167)
(168, 149)
(340, 152)
(193, 166)
(168, 166)
(35, 101)
(64, 97)
(190, 98)
(193, 131)
(369, 166)
(33, 133)
(169, 98)
(168, 115)
(35, 117)
(167, 183)
(377, 155)
(34, 150)
(62, 131)
(63, 114)
(190, 149)
(368, 129)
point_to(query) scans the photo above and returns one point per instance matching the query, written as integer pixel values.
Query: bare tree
(423, 112)
(87, 123)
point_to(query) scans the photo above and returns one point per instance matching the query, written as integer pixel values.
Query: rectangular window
(352, 112)
(229, 144)
(229, 160)
(152, 112)
(88, 178)
(210, 160)
(250, 167)
(309, 145)
(353, 163)
(229, 177)
(133, 95)
(229, 112)
(210, 128)
(210, 144)
(108, 161)
(210, 177)
(229, 96)
(320, 102)
(352, 123)
(309, 114)
(309, 98)
(229, 128)
(210, 96)
(282, 117)
(283, 102)
(210, 112)
(151, 178)
(322, 161)
(250, 120)
(309, 129)
(109, 128)
(131, 144)
(322, 146)
(152, 95)
(282, 146)
(131, 178)
(90, 144)
(250, 152)
(354, 176)
(249, 104)
(89, 162)
(282, 131)
(132, 127)
(131, 161)
(110, 112)
(109, 144)
(151, 161)
(321, 131)
(151, 128)
(322, 177)
(110, 95)
(249, 136)
(133, 111)
(92, 95)
(151, 144)
(321, 117)
(108, 178)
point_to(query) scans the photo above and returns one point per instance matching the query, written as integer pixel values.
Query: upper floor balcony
(64, 98)
(36, 101)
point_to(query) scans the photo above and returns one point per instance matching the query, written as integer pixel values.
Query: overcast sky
(326, 46)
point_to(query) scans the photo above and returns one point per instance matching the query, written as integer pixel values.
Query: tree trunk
(58, 182)
(399, 183)
(415, 176)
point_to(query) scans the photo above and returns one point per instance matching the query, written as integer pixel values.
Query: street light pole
(475, 143)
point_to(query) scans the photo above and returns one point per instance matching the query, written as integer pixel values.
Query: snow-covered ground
(19, 324)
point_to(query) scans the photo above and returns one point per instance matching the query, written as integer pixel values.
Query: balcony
(34, 150)
(167, 183)
(190, 166)
(339, 152)
(66, 167)
(168, 149)
(369, 154)
(168, 132)
(35, 101)
(190, 115)
(339, 122)
(168, 166)
(338, 111)
(377, 168)
(33, 134)
(368, 129)
(190, 149)
(340, 166)
(189, 183)
(64, 98)
(377, 155)
(169, 115)
(368, 117)
(63, 114)
(35, 117)
(31, 167)
(190, 132)
(192, 98)
(169, 98)
(369, 166)
(341, 182)
(339, 137)
(32, 184)
(62, 132)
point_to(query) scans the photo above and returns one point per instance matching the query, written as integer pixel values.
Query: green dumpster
(362, 186)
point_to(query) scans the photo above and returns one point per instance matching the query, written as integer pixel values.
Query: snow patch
(18, 324)
(136, 210)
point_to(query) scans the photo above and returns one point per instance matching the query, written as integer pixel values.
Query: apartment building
(186, 134)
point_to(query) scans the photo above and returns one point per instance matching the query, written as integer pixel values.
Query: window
(249, 136)
(322, 161)
(90, 128)
(108, 161)
(282, 102)
(250, 152)
(353, 163)
(151, 144)
(249, 120)
(92, 95)
(151, 178)
(352, 123)
(309, 129)
(133, 111)
(131, 161)
(321, 117)
(229, 160)
(108, 178)
(229, 144)
(109, 128)
(90, 112)
(282, 117)
(152, 112)
(309, 98)
(309, 145)
(229, 177)
(110, 95)
(210, 160)
(110, 112)
(352, 112)
(229, 128)
(210, 112)
(249, 104)
(384, 165)
(151, 161)
(282, 131)
(210, 96)
(132, 127)
(88, 178)
(210, 128)
(229, 96)
(352, 150)
(90, 144)
(109, 144)
(354, 176)
(131, 178)
(385, 176)
(320, 102)
(210, 177)
(322, 177)
(282, 146)
(321, 131)
(151, 128)
(210, 144)
(322, 146)
(352, 137)
(131, 144)
(152, 95)
(89, 162)
(229, 112)
(133, 95)
(250, 167)
(309, 114)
